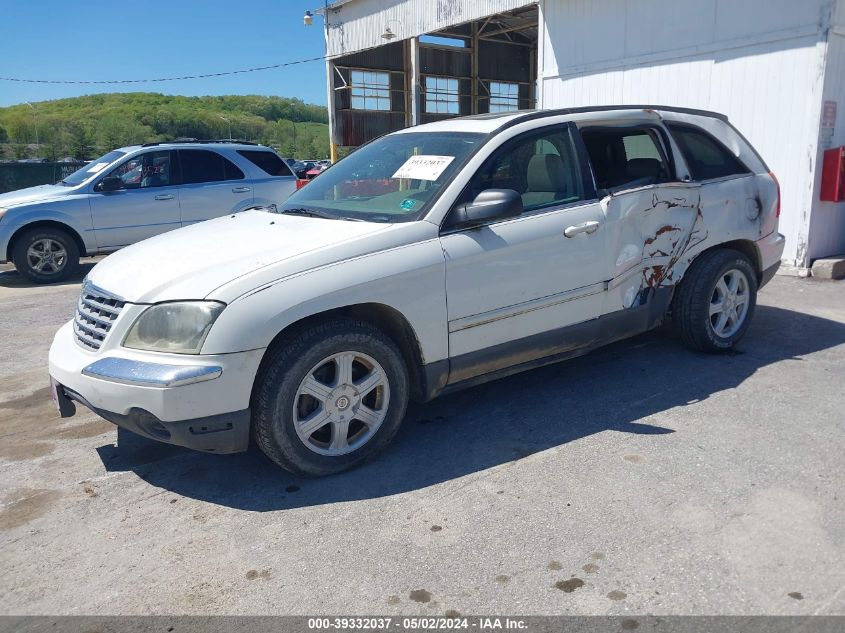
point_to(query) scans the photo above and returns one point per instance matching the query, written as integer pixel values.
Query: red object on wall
(833, 175)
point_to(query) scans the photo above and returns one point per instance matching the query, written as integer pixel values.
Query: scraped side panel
(652, 229)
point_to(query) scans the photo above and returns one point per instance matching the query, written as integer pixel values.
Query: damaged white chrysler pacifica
(433, 258)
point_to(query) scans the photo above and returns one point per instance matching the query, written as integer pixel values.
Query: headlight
(2, 212)
(179, 328)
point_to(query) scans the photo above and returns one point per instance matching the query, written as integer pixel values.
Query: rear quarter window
(200, 165)
(269, 162)
(706, 157)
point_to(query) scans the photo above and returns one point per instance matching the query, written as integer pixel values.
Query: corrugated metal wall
(827, 222)
(359, 24)
(497, 61)
(758, 61)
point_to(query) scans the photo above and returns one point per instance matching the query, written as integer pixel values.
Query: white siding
(839, 13)
(758, 61)
(359, 24)
(827, 224)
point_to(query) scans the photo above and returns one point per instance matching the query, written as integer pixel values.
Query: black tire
(691, 305)
(285, 368)
(58, 269)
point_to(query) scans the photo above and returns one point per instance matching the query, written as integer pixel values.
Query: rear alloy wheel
(45, 255)
(714, 303)
(729, 303)
(329, 397)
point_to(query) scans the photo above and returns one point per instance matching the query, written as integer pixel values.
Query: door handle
(585, 227)
(165, 196)
(240, 190)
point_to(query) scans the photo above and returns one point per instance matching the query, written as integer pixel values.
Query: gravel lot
(640, 479)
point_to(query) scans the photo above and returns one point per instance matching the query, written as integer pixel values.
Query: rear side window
(707, 158)
(625, 157)
(200, 165)
(269, 162)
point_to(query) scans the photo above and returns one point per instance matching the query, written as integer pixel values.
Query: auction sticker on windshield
(423, 167)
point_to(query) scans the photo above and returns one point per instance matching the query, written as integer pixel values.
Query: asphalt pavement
(642, 478)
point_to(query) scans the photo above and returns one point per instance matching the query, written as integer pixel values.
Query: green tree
(77, 140)
(81, 126)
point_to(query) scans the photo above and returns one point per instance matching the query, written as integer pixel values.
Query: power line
(160, 79)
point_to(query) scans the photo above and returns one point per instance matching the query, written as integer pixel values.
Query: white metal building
(775, 67)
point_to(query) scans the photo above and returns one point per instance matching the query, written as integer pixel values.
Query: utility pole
(229, 121)
(308, 20)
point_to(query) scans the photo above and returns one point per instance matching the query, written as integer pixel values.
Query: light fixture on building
(388, 34)
(308, 18)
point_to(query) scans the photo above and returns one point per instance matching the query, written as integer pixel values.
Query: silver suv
(131, 194)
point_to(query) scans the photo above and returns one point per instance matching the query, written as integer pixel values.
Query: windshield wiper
(311, 213)
(316, 213)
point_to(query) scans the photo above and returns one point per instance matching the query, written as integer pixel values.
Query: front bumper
(201, 402)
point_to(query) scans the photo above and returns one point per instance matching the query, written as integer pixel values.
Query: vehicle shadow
(13, 279)
(614, 389)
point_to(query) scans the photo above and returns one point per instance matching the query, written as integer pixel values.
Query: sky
(97, 40)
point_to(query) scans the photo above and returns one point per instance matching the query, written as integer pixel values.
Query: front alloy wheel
(341, 403)
(329, 396)
(45, 254)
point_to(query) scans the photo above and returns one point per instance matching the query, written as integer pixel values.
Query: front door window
(145, 170)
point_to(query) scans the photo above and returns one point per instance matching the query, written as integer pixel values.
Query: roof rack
(199, 142)
(537, 114)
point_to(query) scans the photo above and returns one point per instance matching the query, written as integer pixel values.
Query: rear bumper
(768, 274)
(771, 252)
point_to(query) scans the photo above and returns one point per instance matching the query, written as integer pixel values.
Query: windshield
(92, 169)
(392, 179)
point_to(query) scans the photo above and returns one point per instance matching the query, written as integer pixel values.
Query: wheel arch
(387, 319)
(77, 238)
(746, 247)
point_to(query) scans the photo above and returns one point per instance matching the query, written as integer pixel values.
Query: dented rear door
(650, 228)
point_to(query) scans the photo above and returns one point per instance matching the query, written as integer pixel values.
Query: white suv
(433, 258)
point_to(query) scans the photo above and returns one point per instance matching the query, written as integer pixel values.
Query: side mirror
(490, 204)
(110, 183)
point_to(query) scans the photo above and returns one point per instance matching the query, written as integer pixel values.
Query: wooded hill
(86, 127)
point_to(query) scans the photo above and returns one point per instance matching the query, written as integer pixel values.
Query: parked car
(131, 194)
(301, 168)
(315, 171)
(510, 241)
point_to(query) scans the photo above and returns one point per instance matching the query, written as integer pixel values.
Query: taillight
(777, 185)
(300, 183)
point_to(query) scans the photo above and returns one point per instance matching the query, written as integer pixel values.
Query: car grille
(95, 314)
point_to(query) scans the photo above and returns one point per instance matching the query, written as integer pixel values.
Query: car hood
(33, 194)
(221, 258)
